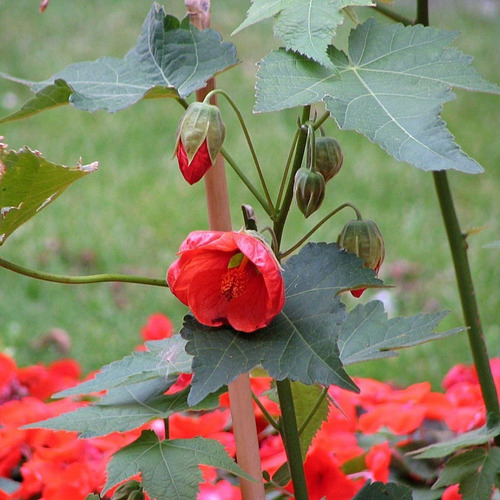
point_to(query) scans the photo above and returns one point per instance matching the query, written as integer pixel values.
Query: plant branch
(250, 145)
(470, 309)
(317, 226)
(266, 414)
(291, 441)
(81, 280)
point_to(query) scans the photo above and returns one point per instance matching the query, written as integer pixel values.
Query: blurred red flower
(228, 278)
(158, 327)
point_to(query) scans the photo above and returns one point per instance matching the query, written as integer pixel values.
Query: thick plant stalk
(470, 309)
(219, 216)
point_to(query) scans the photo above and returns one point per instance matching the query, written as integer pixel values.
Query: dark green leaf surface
(475, 470)
(163, 358)
(169, 468)
(103, 418)
(28, 183)
(170, 59)
(368, 334)
(300, 343)
(392, 86)
(384, 491)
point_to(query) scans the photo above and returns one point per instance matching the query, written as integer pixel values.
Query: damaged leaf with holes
(28, 183)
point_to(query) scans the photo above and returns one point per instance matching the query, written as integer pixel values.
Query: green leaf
(305, 398)
(383, 491)
(164, 358)
(28, 183)
(300, 343)
(393, 84)
(472, 438)
(475, 470)
(103, 418)
(170, 59)
(305, 26)
(169, 468)
(367, 333)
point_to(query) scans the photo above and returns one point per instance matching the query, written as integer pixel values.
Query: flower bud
(329, 157)
(200, 135)
(309, 189)
(131, 490)
(363, 237)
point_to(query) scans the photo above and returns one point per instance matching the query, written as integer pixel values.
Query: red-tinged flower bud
(363, 237)
(309, 189)
(329, 157)
(200, 135)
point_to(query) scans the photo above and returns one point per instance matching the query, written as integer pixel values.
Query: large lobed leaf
(170, 59)
(169, 469)
(306, 26)
(28, 183)
(391, 88)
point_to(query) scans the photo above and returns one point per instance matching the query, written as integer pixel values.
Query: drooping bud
(329, 157)
(309, 189)
(363, 237)
(199, 138)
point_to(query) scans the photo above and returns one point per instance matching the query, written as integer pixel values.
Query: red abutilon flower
(228, 278)
(200, 135)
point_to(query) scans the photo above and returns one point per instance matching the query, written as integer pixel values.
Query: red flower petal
(200, 163)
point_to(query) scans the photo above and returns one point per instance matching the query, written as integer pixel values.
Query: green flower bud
(131, 490)
(363, 237)
(329, 157)
(309, 189)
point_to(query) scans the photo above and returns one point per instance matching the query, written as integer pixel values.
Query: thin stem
(287, 167)
(313, 411)
(291, 439)
(266, 414)
(249, 142)
(470, 308)
(248, 183)
(317, 226)
(279, 223)
(81, 280)
(322, 119)
(393, 15)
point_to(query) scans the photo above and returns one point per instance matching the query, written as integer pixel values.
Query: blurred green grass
(132, 214)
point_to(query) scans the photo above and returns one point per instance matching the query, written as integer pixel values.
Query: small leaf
(103, 419)
(475, 470)
(305, 26)
(169, 468)
(383, 491)
(170, 59)
(394, 81)
(163, 358)
(305, 398)
(300, 343)
(28, 183)
(367, 333)
(472, 438)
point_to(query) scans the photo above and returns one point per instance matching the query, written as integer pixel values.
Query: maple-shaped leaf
(171, 59)
(300, 343)
(29, 183)
(169, 469)
(305, 26)
(475, 469)
(392, 85)
(368, 334)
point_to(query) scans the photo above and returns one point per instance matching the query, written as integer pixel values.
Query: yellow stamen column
(219, 216)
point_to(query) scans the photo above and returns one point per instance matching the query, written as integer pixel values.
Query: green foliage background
(132, 214)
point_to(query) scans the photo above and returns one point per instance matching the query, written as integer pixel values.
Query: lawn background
(131, 215)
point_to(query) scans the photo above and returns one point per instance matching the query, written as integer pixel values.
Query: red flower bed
(364, 438)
